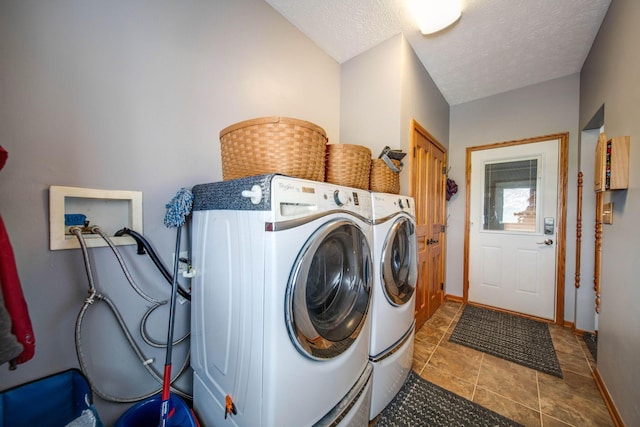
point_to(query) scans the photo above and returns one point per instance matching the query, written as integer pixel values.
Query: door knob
(547, 242)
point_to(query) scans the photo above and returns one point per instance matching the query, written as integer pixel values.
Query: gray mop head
(178, 208)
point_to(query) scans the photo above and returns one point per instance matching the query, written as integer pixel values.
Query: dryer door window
(398, 268)
(329, 290)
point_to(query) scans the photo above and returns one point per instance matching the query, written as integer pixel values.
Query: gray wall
(131, 96)
(611, 76)
(421, 100)
(370, 97)
(542, 109)
(383, 89)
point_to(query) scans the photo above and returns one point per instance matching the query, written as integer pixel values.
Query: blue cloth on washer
(227, 195)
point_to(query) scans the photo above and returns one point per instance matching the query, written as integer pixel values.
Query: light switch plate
(607, 213)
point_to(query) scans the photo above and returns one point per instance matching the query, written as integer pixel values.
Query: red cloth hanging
(3, 156)
(14, 300)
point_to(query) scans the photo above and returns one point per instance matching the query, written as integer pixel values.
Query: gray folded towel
(10, 348)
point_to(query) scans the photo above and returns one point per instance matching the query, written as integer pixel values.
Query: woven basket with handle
(273, 145)
(348, 165)
(383, 179)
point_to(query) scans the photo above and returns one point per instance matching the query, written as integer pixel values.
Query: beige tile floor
(522, 394)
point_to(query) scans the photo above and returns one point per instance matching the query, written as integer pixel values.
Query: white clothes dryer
(393, 297)
(280, 303)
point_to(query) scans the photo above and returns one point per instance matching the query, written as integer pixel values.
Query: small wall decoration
(452, 188)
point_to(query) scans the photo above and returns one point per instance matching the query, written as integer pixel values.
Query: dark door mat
(591, 340)
(513, 338)
(420, 403)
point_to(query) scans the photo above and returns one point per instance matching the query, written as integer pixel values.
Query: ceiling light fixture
(435, 15)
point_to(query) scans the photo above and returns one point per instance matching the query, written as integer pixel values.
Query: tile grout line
(475, 385)
(539, 400)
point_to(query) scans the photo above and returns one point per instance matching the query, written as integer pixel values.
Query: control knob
(340, 197)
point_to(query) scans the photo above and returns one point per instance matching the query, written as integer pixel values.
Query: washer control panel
(293, 198)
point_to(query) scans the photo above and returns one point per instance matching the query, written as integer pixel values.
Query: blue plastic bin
(53, 401)
(147, 414)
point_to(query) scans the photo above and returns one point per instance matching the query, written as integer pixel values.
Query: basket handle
(385, 157)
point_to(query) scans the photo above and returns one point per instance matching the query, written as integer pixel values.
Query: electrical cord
(94, 296)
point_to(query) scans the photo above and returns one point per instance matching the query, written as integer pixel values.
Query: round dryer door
(398, 268)
(329, 290)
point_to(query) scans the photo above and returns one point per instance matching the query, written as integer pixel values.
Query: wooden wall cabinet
(612, 163)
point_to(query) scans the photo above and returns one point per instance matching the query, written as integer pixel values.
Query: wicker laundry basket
(383, 179)
(283, 145)
(348, 165)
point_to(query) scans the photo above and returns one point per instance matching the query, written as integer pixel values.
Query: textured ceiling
(496, 46)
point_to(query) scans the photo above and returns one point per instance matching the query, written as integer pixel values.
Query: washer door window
(329, 290)
(398, 266)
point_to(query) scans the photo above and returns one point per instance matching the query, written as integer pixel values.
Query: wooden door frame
(563, 152)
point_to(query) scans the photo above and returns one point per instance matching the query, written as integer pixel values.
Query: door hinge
(444, 170)
(442, 228)
(442, 286)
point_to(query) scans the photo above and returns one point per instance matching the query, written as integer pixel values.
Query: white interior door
(513, 228)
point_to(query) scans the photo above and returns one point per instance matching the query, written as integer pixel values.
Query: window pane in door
(510, 196)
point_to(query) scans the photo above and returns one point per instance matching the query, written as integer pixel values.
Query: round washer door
(329, 290)
(398, 267)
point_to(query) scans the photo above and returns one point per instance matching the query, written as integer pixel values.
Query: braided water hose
(95, 296)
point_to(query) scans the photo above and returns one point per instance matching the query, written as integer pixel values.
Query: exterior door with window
(513, 228)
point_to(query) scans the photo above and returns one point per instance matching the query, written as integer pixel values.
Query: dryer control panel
(384, 205)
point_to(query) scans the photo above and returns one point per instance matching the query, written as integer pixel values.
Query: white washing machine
(393, 298)
(280, 303)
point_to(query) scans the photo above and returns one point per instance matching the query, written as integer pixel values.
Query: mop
(177, 210)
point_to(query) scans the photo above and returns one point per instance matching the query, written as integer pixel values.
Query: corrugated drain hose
(144, 245)
(95, 296)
